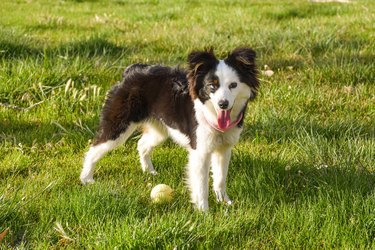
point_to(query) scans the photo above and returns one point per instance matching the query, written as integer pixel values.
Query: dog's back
(146, 92)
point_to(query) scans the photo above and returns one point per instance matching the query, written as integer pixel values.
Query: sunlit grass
(301, 176)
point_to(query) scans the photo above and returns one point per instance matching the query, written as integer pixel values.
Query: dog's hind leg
(153, 134)
(99, 149)
(220, 163)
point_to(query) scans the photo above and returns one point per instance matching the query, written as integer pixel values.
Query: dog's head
(223, 87)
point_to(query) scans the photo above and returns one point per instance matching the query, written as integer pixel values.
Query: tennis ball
(161, 193)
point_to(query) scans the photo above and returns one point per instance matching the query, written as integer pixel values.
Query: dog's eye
(232, 85)
(213, 87)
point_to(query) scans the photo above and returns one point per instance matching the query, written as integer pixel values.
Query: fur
(201, 108)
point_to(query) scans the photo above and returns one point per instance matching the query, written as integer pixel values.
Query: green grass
(302, 175)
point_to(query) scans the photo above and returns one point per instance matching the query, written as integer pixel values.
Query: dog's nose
(223, 104)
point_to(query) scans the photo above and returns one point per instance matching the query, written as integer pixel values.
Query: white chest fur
(208, 139)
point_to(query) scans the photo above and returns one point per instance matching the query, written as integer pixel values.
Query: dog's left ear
(243, 59)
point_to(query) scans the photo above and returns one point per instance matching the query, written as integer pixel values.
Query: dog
(201, 108)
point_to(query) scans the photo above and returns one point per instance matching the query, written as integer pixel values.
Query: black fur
(200, 64)
(243, 60)
(138, 97)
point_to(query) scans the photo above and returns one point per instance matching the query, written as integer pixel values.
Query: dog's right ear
(201, 62)
(242, 59)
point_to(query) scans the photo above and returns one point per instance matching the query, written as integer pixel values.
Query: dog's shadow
(258, 178)
(310, 171)
(28, 133)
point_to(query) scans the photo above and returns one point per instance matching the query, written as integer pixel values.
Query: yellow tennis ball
(161, 193)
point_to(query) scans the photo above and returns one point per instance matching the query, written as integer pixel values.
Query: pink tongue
(223, 119)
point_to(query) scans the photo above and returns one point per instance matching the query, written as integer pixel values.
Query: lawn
(301, 177)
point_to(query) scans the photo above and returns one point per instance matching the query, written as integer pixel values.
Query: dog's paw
(202, 206)
(221, 196)
(149, 169)
(87, 181)
(153, 172)
(199, 203)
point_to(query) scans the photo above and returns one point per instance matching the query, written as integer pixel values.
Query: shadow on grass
(343, 191)
(312, 10)
(288, 129)
(299, 180)
(29, 133)
(93, 47)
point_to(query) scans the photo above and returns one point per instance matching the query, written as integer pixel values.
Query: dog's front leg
(220, 163)
(198, 172)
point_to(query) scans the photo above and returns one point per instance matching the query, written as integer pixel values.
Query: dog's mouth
(223, 119)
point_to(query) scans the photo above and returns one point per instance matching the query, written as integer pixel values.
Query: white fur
(153, 134)
(220, 163)
(179, 137)
(212, 147)
(96, 152)
(237, 97)
(226, 76)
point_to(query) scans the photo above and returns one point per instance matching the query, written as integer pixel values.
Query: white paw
(221, 196)
(153, 172)
(202, 206)
(148, 169)
(87, 180)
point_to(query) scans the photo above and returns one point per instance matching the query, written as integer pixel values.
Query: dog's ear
(242, 59)
(201, 61)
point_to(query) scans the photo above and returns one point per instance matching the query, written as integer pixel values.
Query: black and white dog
(202, 109)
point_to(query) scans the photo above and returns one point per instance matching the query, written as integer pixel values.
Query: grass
(302, 175)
